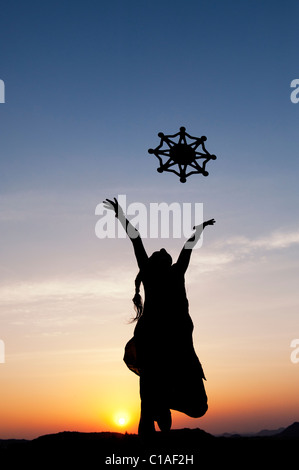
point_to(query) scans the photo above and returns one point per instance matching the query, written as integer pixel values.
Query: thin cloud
(273, 241)
(238, 248)
(118, 283)
(36, 291)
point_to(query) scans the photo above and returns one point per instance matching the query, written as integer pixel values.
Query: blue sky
(88, 87)
(87, 84)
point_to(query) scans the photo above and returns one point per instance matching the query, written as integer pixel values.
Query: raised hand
(113, 205)
(202, 226)
(209, 222)
(132, 232)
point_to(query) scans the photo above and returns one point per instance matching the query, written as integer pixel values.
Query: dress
(161, 351)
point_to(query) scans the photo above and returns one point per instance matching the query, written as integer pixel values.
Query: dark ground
(72, 450)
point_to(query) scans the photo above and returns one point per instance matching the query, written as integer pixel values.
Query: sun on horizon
(121, 419)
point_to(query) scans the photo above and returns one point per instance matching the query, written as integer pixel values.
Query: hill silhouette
(291, 432)
(73, 450)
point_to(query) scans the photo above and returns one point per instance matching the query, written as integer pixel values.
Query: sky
(88, 86)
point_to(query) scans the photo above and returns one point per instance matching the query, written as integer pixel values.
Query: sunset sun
(121, 419)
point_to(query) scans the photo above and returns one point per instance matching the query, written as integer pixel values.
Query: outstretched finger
(111, 202)
(108, 204)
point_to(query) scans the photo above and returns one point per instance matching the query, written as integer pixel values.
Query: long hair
(137, 299)
(154, 262)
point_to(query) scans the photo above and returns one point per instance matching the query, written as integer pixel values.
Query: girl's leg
(153, 404)
(163, 418)
(146, 424)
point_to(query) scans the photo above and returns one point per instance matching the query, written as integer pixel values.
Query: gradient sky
(88, 85)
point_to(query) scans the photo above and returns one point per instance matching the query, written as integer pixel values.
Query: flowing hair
(137, 299)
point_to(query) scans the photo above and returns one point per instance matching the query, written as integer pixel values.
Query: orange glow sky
(64, 368)
(88, 87)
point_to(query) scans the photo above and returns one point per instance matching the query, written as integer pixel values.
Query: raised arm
(184, 257)
(132, 232)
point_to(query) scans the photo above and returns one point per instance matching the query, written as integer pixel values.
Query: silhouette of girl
(161, 351)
